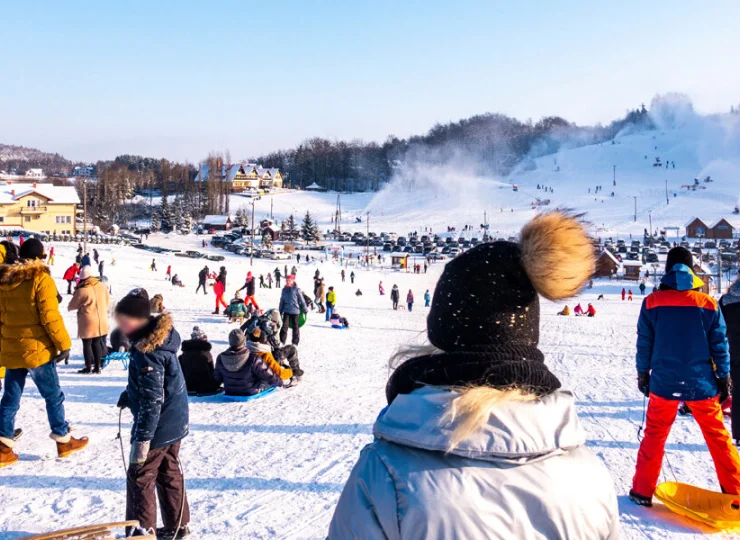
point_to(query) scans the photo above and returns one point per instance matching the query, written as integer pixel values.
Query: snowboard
(709, 507)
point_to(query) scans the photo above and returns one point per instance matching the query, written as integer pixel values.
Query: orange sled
(709, 507)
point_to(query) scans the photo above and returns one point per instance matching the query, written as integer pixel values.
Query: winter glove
(123, 400)
(139, 453)
(62, 357)
(724, 386)
(643, 383)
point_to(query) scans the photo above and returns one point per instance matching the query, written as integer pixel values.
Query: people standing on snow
(629, 295)
(168, 275)
(342, 272)
(290, 308)
(202, 277)
(352, 277)
(262, 281)
(101, 268)
(158, 399)
(331, 302)
(70, 274)
(682, 355)
(642, 288)
(278, 275)
(624, 294)
(395, 296)
(90, 301)
(269, 280)
(96, 256)
(197, 363)
(251, 288)
(410, 300)
(730, 306)
(483, 411)
(219, 289)
(244, 373)
(50, 260)
(152, 267)
(320, 294)
(32, 340)
(427, 298)
(381, 289)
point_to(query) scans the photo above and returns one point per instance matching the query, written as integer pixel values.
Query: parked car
(279, 256)
(190, 255)
(436, 257)
(387, 246)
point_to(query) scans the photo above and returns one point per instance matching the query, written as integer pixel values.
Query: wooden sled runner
(89, 532)
(709, 507)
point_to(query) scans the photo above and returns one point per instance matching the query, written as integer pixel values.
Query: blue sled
(250, 398)
(123, 357)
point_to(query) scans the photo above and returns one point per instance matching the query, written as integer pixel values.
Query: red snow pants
(220, 301)
(250, 300)
(661, 414)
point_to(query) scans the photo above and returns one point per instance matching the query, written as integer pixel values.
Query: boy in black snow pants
(158, 399)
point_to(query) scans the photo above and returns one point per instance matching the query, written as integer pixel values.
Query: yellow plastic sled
(709, 507)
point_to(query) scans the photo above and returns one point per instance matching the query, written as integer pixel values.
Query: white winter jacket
(526, 475)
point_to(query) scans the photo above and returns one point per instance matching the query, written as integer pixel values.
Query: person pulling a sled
(682, 355)
(478, 440)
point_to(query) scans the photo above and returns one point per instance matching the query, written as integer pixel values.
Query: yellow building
(39, 207)
(246, 177)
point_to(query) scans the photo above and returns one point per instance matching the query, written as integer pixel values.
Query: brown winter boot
(67, 445)
(7, 456)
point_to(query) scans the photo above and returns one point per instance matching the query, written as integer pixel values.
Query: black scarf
(499, 367)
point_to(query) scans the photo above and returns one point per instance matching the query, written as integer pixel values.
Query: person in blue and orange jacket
(682, 355)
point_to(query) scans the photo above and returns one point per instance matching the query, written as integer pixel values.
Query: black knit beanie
(678, 255)
(135, 304)
(32, 249)
(485, 313)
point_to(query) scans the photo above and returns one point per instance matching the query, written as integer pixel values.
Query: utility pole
(635, 197)
(367, 241)
(251, 251)
(614, 175)
(84, 212)
(650, 230)
(272, 200)
(719, 273)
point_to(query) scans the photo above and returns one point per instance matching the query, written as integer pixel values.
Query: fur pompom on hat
(489, 296)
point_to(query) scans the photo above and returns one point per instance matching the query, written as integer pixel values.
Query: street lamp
(251, 253)
(635, 197)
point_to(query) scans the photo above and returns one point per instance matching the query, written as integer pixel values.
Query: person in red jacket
(69, 276)
(219, 288)
(50, 260)
(591, 311)
(624, 293)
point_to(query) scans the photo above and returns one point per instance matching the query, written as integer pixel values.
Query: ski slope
(274, 468)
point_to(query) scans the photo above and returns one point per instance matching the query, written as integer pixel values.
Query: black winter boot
(169, 534)
(640, 500)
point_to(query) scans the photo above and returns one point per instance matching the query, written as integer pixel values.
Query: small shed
(705, 274)
(632, 270)
(269, 228)
(400, 260)
(607, 264)
(696, 228)
(721, 230)
(218, 223)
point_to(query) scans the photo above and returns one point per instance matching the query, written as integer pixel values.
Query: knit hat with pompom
(485, 313)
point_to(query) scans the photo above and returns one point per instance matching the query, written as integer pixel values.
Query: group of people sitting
(254, 361)
(578, 311)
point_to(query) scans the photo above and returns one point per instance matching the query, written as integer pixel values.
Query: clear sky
(176, 79)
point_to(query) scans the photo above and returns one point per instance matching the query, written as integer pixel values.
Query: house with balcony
(244, 177)
(39, 207)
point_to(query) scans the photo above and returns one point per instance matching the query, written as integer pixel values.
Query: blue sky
(176, 79)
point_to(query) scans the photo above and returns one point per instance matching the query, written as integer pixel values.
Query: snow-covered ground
(274, 468)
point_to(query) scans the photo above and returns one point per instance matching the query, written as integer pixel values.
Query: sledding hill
(452, 195)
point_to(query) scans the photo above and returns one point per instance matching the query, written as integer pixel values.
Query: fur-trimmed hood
(158, 334)
(12, 275)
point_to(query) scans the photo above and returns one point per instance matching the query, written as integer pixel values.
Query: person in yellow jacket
(565, 312)
(8, 255)
(331, 302)
(32, 339)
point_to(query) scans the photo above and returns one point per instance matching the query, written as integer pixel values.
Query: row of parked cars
(239, 245)
(430, 246)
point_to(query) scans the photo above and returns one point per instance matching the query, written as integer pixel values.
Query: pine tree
(187, 226)
(177, 218)
(267, 240)
(292, 231)
(156, 222)
(165, 215)
(309, 231)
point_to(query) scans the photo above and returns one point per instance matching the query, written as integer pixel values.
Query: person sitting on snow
(197, 363)
(337, 321)
(578, 310)
(565, 312)
(269, 324)
(244, 373)
(682, 355)
(591, 311)
(176, 281)
(237, 309)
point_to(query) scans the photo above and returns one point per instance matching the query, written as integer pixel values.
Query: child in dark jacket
(158, 399)
(197, 364)
(246, 371)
